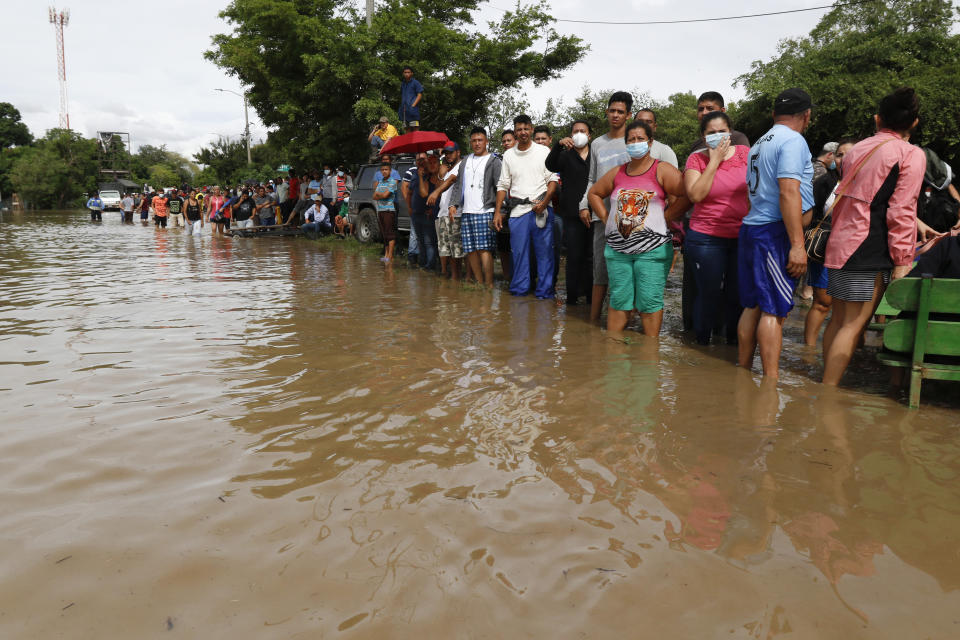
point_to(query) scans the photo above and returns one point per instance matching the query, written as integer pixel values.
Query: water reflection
(422, 454)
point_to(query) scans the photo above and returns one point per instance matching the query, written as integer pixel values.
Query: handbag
(815, 239)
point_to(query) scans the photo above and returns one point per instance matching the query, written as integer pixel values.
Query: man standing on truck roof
(411, 92)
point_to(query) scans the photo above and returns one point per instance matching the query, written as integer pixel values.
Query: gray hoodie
(491, 175)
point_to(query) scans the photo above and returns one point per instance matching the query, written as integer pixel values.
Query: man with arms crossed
(606, 152)
(772, 257)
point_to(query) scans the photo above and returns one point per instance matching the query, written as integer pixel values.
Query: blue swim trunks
(762, 268)
(816, 275)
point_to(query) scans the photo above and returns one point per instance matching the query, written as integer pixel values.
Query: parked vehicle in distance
(363, 212)
(111, 199)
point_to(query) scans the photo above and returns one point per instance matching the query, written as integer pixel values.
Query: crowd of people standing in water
(622, 205)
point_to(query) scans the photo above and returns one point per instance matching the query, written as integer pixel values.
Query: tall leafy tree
(13, 132)
(853, 57)
(328, 77)
(57, 170)
(14, 135)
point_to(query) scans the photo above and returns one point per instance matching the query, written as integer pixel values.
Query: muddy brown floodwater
(218, 438)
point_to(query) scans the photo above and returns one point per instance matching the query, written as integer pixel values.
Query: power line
(749, 15)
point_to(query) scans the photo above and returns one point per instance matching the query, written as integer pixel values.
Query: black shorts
(160, 221)
(388, 225)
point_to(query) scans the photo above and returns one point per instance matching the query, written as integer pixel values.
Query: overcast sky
(137, 65)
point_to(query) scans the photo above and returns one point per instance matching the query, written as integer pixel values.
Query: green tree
(853, 57)
(13, 132)
(223, 158)
(329, 77)
(161, 176)
(177, 170)
(58, 170)
(499, 111)
(677, 124)
(14, 135)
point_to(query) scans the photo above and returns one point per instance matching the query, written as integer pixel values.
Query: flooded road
(226, 438)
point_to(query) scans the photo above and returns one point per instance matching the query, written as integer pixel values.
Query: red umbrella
(415, 142)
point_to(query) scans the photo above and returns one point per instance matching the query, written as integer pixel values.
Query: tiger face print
(632, 206)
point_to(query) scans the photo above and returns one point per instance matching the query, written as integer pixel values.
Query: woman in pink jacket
(874, 226)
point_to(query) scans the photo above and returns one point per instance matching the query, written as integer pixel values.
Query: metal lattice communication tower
(59, 21)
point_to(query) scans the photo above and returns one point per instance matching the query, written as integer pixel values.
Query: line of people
(317, 202)
(621, 204)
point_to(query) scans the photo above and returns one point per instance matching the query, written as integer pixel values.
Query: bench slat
(904, 294)
(943, 337)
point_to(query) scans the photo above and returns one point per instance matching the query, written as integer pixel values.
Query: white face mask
(580, 139)
(713, 140)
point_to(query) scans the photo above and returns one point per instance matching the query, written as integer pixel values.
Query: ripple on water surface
(237, 438)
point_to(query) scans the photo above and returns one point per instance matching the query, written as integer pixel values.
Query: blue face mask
(340, 173)
(326, 172)
(713, 140)
(637, 150)
(833, 165)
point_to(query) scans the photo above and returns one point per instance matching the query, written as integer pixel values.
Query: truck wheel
(368, 229)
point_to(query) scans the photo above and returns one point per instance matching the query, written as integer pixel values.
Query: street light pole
(246, 119)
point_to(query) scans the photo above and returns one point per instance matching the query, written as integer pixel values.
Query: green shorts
(637, 280)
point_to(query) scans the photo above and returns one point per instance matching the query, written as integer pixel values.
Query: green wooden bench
(911, 340)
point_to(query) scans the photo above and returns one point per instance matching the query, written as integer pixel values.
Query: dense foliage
(226, 161)
(323, 84)
(856, 55)
(56, 170)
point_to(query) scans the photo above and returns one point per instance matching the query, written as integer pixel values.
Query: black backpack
(938, 209)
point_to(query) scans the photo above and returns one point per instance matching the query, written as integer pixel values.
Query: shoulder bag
(815, 239)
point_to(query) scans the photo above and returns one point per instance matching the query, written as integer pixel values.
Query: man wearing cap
(449, 245)
(771, 253)
(382, 132)
(317, 217)
(826, 161)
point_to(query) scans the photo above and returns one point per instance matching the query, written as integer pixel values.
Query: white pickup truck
(111, 199)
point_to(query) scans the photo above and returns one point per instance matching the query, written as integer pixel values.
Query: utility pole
(246, 126)
(246, 119)
(369, 13)
(59, 21)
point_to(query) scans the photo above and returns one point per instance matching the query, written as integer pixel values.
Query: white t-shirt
(473, 169)
(127, 204)
(525, 175)
(445, 196)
